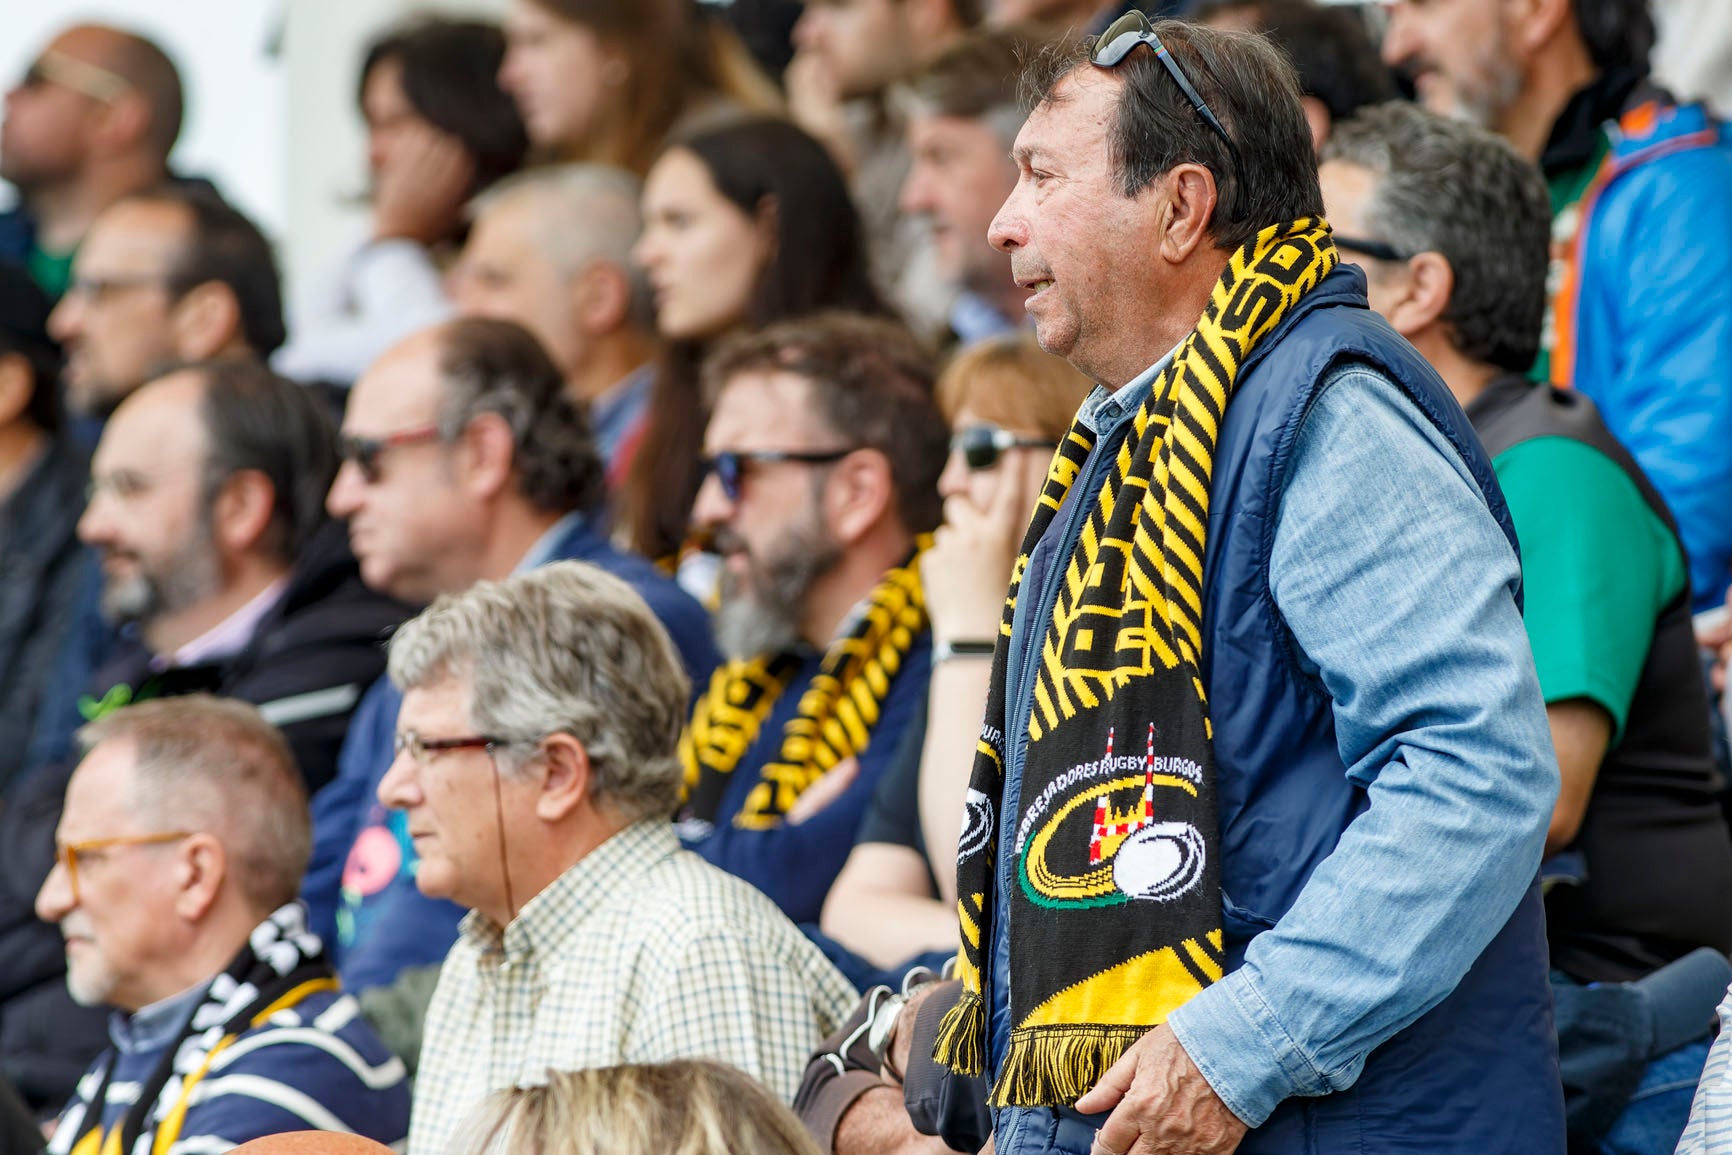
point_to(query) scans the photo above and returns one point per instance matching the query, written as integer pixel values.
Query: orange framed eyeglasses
(66, 853)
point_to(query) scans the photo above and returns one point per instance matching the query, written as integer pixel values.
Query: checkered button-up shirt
(640, 953)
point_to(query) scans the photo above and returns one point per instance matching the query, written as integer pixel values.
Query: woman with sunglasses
(1008, 404)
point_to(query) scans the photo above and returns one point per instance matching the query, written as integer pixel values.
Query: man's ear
(1190, 197)
(241, 512)
(200, 872)
(124, 122)
(600, 298)
(486, 454)
(1530, 25)
(858, 494)
(568, 783)
(205, 321)
(1428, 282)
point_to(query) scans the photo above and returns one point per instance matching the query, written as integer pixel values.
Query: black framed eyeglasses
(1376, 250)
(982, 445)
(365, 451)
(420, 749)
(1133, 28)
(730, 466)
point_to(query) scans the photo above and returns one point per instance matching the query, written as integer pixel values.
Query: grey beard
(764, 618)
(192, 576)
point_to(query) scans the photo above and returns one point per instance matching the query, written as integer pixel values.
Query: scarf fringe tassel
(961, 1042)
(1056, 1066)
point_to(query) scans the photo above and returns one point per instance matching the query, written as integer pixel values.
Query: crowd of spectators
(531, 691)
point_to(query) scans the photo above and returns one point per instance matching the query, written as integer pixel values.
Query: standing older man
(824, 449)
(182, 845)
(551, 250)
(1265, 775)
(536, 767)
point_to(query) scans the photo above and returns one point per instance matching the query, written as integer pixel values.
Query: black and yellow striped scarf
(1115, 912)
(837, 714)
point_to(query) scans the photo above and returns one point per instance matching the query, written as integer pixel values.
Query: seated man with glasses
(536, 768)
(224, 575)
(178, 856)
(464, 458)
(165, 277)
(823, 452)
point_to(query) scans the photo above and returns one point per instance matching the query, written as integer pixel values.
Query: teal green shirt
(1598, 566)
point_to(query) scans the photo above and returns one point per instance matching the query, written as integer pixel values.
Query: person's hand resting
(1160, 1104)
(967, 571)
(419, 194)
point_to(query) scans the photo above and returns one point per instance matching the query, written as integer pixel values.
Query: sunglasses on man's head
(731, 466)
(982, 445)
(1133, 28)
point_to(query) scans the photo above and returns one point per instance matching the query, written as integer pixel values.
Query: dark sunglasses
(365, 451)
(982, 445)
(730, 467)
(1376, 250)
(1132, 29)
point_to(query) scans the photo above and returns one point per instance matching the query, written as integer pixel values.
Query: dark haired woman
(744, 224)
(439, 130)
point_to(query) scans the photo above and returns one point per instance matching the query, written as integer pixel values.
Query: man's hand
(1160, 1104)
(967, 571)
(1715, 634)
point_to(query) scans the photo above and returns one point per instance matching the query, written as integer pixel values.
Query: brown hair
(1014, 383)
(872, 384)
(678, 60)
(977, 75)
(685, 1107)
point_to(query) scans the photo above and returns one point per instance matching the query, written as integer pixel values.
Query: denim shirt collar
(1101, 410)
(154, 1027)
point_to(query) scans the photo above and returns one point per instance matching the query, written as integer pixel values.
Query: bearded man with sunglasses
(463, 459)
(1253, 833)
(823, 449)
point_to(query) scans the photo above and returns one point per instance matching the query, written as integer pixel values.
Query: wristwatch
(882, 1028)
(943, 651)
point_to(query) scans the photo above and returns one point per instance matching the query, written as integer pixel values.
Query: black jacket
(310, 660)
(41, 566)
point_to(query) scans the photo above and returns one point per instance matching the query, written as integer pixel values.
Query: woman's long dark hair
(450, 78)
(761, 164)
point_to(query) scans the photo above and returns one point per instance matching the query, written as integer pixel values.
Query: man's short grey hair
(582, 213)
(1445, 186)
(214, 765)
(565, 648)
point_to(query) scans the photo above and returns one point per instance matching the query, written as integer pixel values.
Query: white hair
(565, 648)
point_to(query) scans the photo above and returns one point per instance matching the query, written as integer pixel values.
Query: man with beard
(90, 122)
(465, 459)
(823, 452)
(220, 566)
(1641, 189)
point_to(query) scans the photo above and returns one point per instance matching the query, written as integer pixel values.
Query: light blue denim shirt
(1396, 583)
